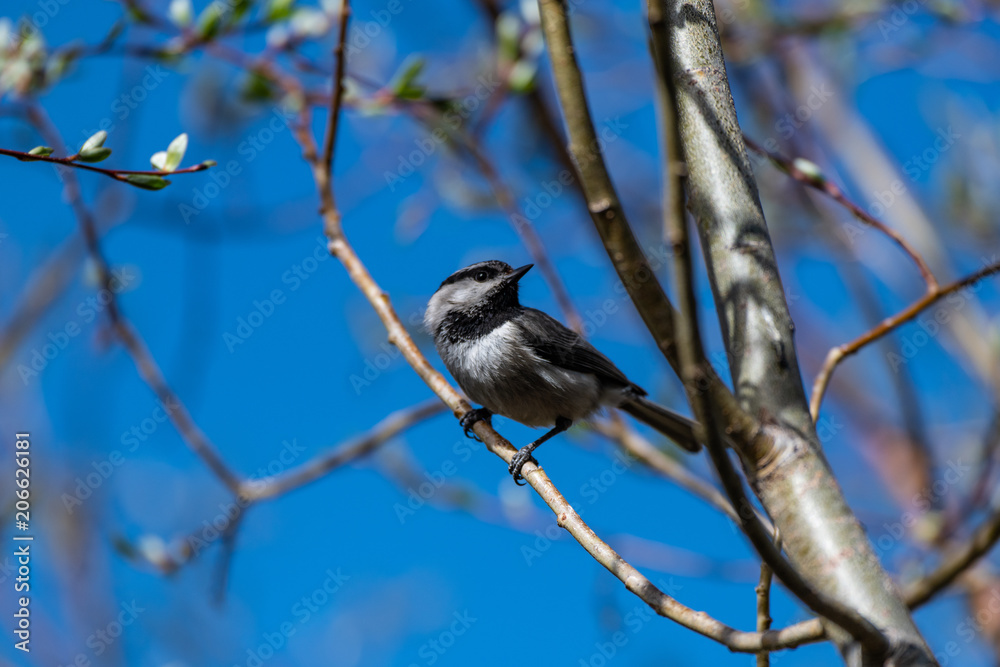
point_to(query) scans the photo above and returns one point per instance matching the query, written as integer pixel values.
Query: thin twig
(330, 138)
(763, 591)
(117, 174)
(387, 429)
(829, 188)
(838, 354)
(955, 561)
(649, 455)
(47, 283)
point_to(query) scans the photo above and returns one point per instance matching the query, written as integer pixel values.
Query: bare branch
(956, 561)
(838, 354)
(387, 429)
(763, 591)
(819, 182)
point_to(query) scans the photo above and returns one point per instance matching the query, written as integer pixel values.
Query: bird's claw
(522, 456)
(470, 418)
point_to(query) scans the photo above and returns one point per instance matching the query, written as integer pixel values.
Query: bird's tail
(676, 427)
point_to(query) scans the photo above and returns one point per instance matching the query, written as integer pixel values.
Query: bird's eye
(480, 276)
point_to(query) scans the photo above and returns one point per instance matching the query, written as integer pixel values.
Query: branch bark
(792, 478)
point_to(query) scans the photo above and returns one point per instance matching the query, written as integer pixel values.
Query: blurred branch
(522, 226)
(144, 362)
(387, 429)
(871, 168)
(955, 561)
(838, 354)
(807, 173)
(651, 456)
(46, 284)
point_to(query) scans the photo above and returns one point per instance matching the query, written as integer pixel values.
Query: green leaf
(171, 158)
(404, 82)
(209, 163)
(147, 181)
(278, 10)
(96, 140)
(94, 154)
(257, 88)
(44, 151)
(209, 21)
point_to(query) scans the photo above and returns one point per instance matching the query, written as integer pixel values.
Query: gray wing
(565, 348)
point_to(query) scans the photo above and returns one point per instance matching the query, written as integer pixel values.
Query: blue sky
(336, 573)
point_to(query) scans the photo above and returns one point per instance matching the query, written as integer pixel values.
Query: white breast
(501, 373)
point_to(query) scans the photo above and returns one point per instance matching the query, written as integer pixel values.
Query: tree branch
(956, 560)
(816, 180)
(692, 355)
(387, 429)
(838, 354)
(821, 535)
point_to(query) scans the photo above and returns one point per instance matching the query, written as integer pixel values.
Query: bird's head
(481, 288)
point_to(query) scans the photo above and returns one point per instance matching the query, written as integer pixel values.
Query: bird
(523, 364)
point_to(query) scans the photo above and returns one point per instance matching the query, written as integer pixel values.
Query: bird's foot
(522, 456)
(470, 418)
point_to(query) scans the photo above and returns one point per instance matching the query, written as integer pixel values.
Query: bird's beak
(517, 273)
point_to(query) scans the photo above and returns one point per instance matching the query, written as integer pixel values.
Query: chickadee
(520, 363)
